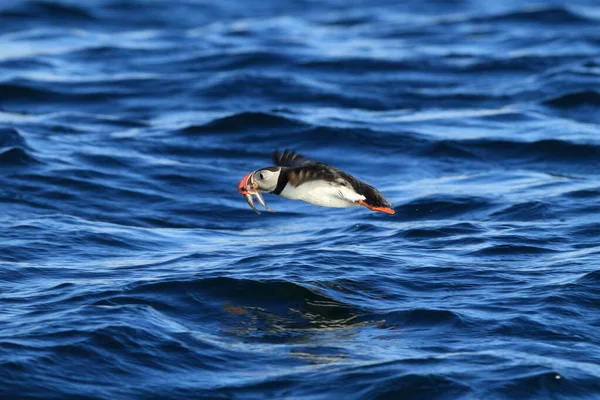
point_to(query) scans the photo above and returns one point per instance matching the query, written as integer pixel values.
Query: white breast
(323, 193)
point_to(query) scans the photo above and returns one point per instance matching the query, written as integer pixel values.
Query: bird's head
(263, 180)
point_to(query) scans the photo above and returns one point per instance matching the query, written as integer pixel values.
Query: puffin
(295, 177)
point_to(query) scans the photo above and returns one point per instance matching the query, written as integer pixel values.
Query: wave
(242, 296)
(48, 10)
(541, 151)
(591, 278)
(539, 382)
(441, 206)
(16, 156)
(14, 149)
(11, 137)
(21, 92)
(583, 193)
(416, 318)
(577, 298)
(104, 161)
(541, 15)
(373, 382)
(223, 61)
(44, 93)
(531, 210)
(292, 90)
(244, 122)
(589, 231)
(35, 93)
(576, 99)
(512, 250)
(360, 64)
(68, 119)
(441, 231)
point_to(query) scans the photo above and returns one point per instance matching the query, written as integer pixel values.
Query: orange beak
(246, 185)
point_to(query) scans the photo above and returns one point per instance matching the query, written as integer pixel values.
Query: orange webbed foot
(386, 210)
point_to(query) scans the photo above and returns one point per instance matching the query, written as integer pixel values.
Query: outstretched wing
(300, 170)
(314, 171)
(289, 159)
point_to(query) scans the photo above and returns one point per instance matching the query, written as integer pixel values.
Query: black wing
(301, 170)
(314, 171)
(289, 159)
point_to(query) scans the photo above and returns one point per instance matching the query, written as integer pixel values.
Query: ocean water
(130, 267)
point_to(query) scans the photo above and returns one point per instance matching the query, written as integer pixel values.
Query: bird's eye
(262, 176)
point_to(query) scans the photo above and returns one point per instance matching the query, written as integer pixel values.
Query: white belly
(322, 193)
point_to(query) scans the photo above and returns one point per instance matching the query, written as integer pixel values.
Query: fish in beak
(248, 198)
(262, 201)
(248, 187)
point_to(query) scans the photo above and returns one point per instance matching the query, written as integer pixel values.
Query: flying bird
(297, 178)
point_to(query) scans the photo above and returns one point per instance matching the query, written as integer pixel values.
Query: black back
(297, 170)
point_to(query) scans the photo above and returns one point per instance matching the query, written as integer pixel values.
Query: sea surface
(130, 267)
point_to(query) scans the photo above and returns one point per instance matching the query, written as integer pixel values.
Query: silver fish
(248, 198)
(262, 201)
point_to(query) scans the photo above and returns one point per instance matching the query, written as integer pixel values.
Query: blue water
(130, 267)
